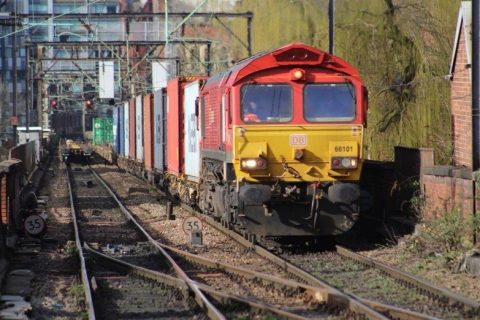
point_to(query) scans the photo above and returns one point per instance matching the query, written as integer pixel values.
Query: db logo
(298, 140)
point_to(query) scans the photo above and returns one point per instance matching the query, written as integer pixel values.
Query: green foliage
(77, 292)
(402, 49)
(71, 249)
(450, 230)
(414, 205)
(445, 236)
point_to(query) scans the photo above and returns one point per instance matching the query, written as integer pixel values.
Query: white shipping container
(192, 135)
(139, 127)
(126, 126)
(115, 114)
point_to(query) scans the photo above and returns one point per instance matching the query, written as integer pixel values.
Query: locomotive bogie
(291, 211)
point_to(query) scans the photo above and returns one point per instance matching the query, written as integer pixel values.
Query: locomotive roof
(294, 55)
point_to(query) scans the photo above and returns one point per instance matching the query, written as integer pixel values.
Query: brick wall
(446, 188)
(461, 102)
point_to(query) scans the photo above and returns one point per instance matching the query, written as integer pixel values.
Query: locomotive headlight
(344, 163)
(297, 74)
(253, 164)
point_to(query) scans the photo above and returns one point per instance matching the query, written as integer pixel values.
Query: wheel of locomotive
(214, 192)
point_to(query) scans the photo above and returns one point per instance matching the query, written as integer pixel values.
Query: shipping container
(108, 131)
(98, 131)
(126, 129)
(121, 131)
(115, 143)
(132, 140)
(139, 127)
(148, 131)
(191, 132)
(175, 123)
(160, 130)
(174, 119)
(102, 131)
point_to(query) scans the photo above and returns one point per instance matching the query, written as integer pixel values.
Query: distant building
(461, 88)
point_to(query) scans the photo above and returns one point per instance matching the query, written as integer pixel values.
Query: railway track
(110, 290)
(431, 298)
(254, 292)
(408, 292)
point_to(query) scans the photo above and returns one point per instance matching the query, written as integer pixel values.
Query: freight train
(271, 147)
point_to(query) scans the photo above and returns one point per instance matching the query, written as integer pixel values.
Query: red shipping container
(131, 126)
(174, 125)
(148, 131)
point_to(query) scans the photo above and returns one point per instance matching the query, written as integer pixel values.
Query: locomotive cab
(287, 157)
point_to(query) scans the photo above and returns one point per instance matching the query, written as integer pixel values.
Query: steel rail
(396, 312)
(422, 284)
(356, 303)
(316, 293)
(183, 285)
(83, 268)
(327, 295)
(200, 298)
(319, 289)
(353, 303)
(143, 272)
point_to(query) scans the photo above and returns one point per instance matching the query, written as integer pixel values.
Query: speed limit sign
(34, 225)
(191, 224)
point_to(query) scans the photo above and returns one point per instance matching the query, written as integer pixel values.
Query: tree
(402, 49)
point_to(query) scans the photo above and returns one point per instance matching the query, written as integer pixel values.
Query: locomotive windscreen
(334, 102)
(267, 103)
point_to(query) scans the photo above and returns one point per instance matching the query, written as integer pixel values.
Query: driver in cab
(251, 112)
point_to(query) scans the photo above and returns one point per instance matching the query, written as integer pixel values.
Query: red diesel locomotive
(271, 147)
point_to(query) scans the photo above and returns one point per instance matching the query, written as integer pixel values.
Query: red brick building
(448, 188)
(461, 88)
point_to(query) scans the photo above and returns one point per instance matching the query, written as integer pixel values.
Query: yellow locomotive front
(297, 151)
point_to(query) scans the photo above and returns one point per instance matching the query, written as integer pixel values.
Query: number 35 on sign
(34, 225)
(192, 224)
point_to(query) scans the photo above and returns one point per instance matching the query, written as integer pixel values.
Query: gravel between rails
(144, 300)
(54, 288)
(149, 207)
(370, 283)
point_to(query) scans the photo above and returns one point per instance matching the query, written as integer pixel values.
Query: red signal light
(89, 103)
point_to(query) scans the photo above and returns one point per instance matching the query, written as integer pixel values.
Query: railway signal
(54, 104)
(89, 103)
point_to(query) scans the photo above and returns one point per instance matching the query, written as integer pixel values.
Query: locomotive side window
(329, 102)
(266, 103)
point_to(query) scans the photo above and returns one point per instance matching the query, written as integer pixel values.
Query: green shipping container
(102, 131)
